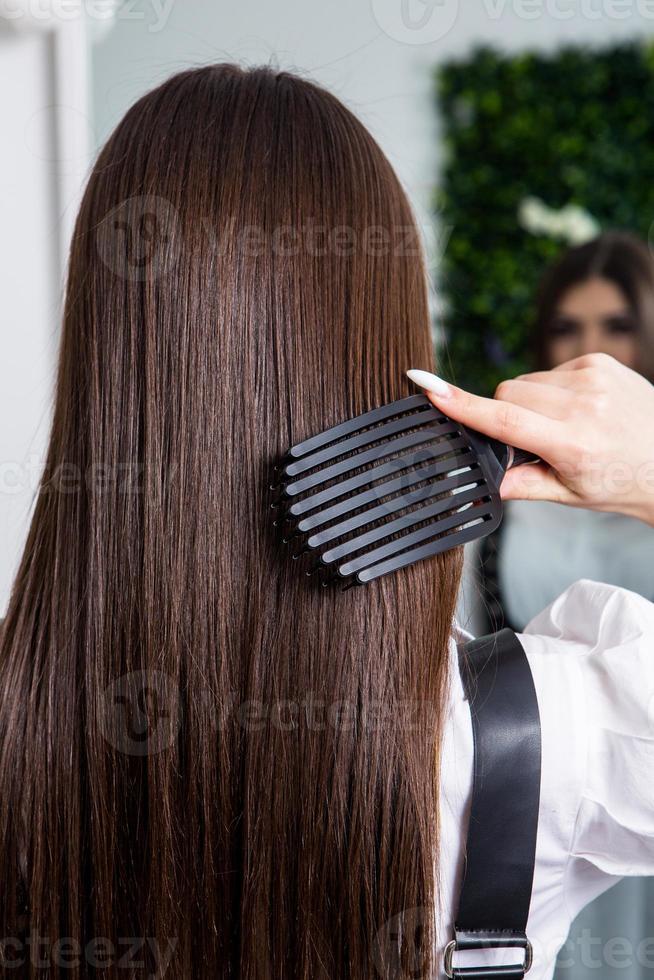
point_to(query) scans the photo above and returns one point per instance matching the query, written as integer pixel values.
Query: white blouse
(591, 653)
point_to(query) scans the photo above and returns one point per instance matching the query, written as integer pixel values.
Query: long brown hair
(621, 258)
(202, 752)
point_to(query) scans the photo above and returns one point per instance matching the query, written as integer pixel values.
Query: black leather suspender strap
(501, 844)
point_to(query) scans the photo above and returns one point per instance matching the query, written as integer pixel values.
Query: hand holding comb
(389, 488)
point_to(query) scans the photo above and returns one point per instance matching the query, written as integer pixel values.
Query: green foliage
(573, 127)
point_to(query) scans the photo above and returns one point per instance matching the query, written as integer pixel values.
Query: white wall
(28, 284)
(44, 156)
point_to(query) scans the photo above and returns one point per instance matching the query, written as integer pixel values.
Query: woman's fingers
(581, 372)
(536, 482)
(554, 402)
(564, 380)
(498, 419)
(608, 422)
(597, 361)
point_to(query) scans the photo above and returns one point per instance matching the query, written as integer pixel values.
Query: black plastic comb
(389, 488)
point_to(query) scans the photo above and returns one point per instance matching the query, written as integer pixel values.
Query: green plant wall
(574, 127)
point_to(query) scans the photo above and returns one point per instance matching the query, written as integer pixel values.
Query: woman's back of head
(200, 747)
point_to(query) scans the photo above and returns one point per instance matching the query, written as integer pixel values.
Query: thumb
(535, 481)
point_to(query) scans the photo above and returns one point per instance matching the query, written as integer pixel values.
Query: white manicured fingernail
(430, 382)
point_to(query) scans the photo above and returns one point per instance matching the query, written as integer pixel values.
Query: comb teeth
(384, 490)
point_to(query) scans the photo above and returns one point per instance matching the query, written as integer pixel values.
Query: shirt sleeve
(610, 634)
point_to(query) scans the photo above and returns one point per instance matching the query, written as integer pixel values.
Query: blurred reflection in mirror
(598, 297)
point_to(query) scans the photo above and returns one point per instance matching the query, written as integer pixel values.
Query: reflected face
(593, 316)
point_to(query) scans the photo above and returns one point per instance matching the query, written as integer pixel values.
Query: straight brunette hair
(210, 766)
